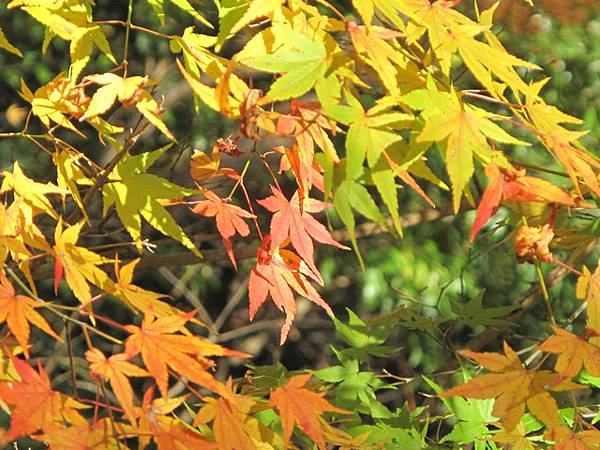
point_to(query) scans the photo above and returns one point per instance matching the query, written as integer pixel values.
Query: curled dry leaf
(531, 243)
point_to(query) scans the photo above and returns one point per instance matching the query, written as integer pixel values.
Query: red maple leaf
(279, 273)
(506, 185)
(229, 218)
(293, 219)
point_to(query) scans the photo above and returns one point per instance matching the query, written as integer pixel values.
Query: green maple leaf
(136, 194)
(462, 129)
(474, 313)
(303, 65)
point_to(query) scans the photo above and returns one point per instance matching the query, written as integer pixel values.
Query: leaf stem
(545, 294)
(127, 32)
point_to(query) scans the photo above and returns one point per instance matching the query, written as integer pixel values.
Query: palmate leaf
(7, 45)
(35, 405)
(234, 427)
(78, 264)
(162, 347)
(280, 273)
(124, 190)
(156, 422)
(117, 370)
(293, 219)
(574, 353)
(138, 299)
(462, 130)
(96, 435)
(237, 14)
(72, 23)
(514, 185)
(303, 65)
(298, 405)
(473, 313)
(129, 91)
(229, 219)
(514, 388)
(18, 311)
(588, 289)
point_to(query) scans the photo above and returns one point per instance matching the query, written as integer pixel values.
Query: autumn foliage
(341, 115)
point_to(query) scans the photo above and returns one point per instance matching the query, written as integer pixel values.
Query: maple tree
(339, 119)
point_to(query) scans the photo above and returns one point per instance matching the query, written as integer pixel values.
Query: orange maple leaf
(116, 370)
(298, 405)
(96, 435)
(162, 348)
(574, 353)
(514, 388)
(507, 185)
(293, 219)
(167, 432)
(280, 273)
(230, 219)
(18, 311)
(233, 427)
(36, 405)
(567, 439)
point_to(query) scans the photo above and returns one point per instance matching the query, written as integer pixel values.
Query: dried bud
(531, 243)
(228, 146)
(250, 112)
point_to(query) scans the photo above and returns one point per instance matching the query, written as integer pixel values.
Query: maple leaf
(293, 219)
(78, 264)
(132, 203)
(507, 185)
(33, 193)
(233, 427)
(588, 289)
(574, 352)
(167, 432)
(517, 438)
(234, 17)
(307, 123)
(204, 167)
(137, 298)
(129, 91)
(36, 405)
(6, 45)
(279, 273)
(229, 218)
(463, 130)
(86, 436)
(304, 63)
(514, 388)
(567, 439)
(73, 23)
(161, 348)
(298, 405)
(18, 311)
(371, 44)
(116, 370)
